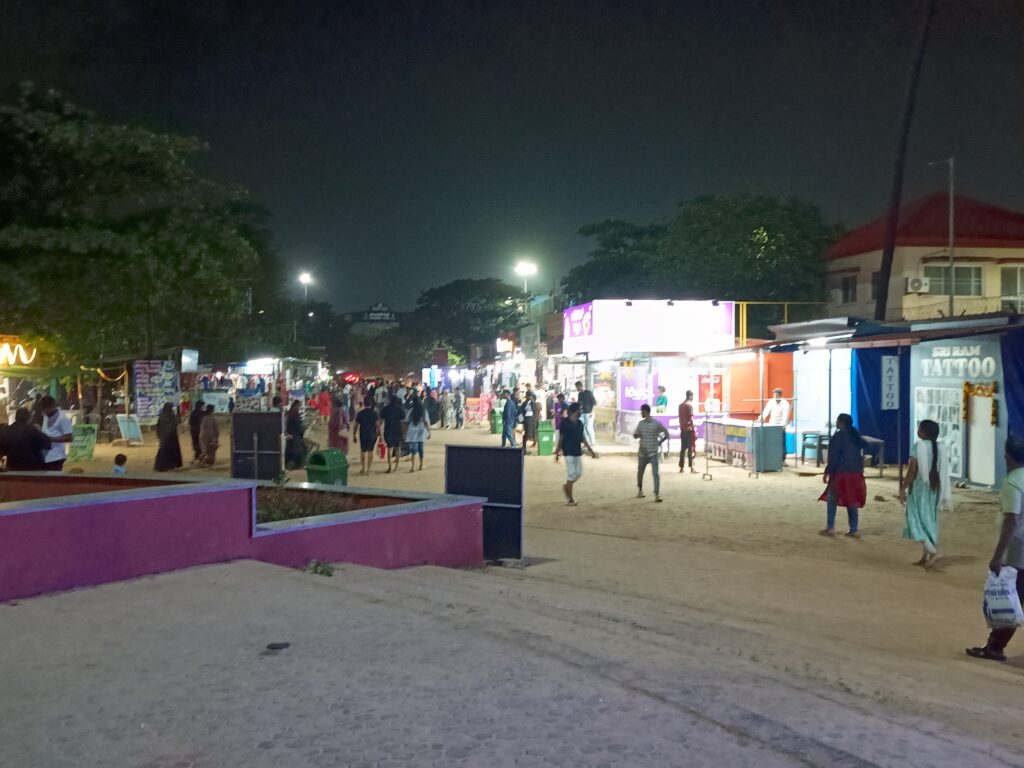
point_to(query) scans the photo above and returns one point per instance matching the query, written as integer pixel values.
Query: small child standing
(120, 464)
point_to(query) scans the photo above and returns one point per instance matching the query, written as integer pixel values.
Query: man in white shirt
(1010, 546)
(776, 413)
(57, 427)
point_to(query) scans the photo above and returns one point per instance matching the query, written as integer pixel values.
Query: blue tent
(866, 407)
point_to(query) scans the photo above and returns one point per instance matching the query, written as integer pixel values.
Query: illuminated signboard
(13, 352)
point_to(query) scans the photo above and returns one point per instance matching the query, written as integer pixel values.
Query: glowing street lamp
(525, 270)
(305, 278)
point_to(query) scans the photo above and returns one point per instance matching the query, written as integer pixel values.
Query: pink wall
(87, 544)
(53, 545)
(452, 536)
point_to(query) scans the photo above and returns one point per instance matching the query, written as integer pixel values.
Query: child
(120, 462)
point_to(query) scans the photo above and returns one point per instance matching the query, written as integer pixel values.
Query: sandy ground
(741, 557)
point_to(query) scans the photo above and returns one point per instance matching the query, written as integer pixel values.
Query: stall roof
(847, 333)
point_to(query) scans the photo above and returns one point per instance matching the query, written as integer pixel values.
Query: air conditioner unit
(918, 285)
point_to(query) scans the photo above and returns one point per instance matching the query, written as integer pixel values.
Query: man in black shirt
(586, 401)
(24, 444)
(571, 440)
(367, 432)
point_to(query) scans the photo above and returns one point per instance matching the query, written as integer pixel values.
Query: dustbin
(329, 467)
(496, 421)
(546, 438)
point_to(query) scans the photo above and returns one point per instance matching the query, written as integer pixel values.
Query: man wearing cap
(776, 414)
(1010, 546)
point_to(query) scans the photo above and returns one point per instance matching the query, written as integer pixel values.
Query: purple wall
(48, 545)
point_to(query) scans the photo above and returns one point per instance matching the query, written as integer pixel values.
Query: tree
(112, 242)
(465, 312)
(621, 264)
(749, 246)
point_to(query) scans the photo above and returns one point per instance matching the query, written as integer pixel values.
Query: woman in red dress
(338, 427)
(844, 476)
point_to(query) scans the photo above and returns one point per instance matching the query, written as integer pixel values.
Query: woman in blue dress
(925, 490)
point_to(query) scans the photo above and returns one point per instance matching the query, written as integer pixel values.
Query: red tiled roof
(925, 222)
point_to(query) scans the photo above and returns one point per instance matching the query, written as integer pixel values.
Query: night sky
(400, 145)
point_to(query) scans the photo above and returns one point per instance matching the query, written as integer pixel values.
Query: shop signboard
(130, 428)
(578, 321)
(156, 383)
(890, 383)
(379, 313)
(636, 387)
(83, 442)
(943, 374)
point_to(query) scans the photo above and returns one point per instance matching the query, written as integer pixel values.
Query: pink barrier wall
(451, 536)
(93, 543)
(55, 544)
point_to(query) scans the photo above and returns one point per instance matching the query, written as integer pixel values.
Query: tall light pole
(305, 278)
(525, 270)
(952, 228)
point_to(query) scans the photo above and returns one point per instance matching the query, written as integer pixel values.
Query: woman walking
(338, 426)
(447, 410)
(209, 438)
(168, 455)
(926, 490)
(295, 443)
(416, 434)
(844, 476)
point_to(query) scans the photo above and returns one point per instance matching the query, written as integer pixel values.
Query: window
(966, 281)
(1012, 287)
(848, 288)
(874, 285)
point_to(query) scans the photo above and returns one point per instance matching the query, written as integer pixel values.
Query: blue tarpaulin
(1012, 348)
(866, 406)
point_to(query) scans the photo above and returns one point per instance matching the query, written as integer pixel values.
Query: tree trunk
(896, 193)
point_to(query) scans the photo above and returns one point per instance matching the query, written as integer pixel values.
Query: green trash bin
(546, 438)
(329, 467)
(496, 421)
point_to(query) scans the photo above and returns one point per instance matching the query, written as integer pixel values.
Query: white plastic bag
(1002, 603)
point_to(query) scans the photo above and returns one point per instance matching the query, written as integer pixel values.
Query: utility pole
(896, 192)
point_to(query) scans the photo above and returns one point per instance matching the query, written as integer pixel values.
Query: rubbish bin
(496, 421)
(329, 467)
(546, 438)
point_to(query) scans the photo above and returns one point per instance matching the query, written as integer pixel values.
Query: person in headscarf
(295, 442)
(338, 426)
(926, 490)
(209, 438)
(24, 444)
(195, 420)
(460, 409)
(447, 410)
(168, 455)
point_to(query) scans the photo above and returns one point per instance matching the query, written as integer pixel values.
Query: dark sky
(400, 145)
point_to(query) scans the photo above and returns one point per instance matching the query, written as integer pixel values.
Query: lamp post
(525, 270)
(952, 230)
(305, 278)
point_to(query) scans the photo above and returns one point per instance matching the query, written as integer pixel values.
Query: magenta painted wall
(82, 543)
(87, 544)
(452, 536)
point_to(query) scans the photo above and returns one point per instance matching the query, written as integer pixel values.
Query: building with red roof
(988, 274)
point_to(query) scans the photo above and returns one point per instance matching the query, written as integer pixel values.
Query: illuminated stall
(628, 349)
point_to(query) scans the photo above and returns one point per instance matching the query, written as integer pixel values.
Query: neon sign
(16, 354)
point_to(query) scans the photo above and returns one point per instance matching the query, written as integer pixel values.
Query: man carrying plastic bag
(1002, 607)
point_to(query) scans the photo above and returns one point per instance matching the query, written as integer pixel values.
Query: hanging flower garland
(982, 390)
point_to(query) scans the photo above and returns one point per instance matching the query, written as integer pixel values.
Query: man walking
(510, 417)
(195, 420)
(686, 432)
(1010, 547)
(571, 440)
(651, 435)
(586, 401)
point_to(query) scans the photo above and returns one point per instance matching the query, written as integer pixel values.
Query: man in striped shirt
(651, 434)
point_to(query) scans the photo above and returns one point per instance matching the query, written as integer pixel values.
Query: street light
(305, 278)
(525, 270)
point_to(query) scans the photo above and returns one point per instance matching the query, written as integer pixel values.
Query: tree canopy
(465, 312)
(749, 246)
(114, 243)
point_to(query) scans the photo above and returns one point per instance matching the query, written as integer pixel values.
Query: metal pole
(899, 419)
(828, 416)
(952, 230)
